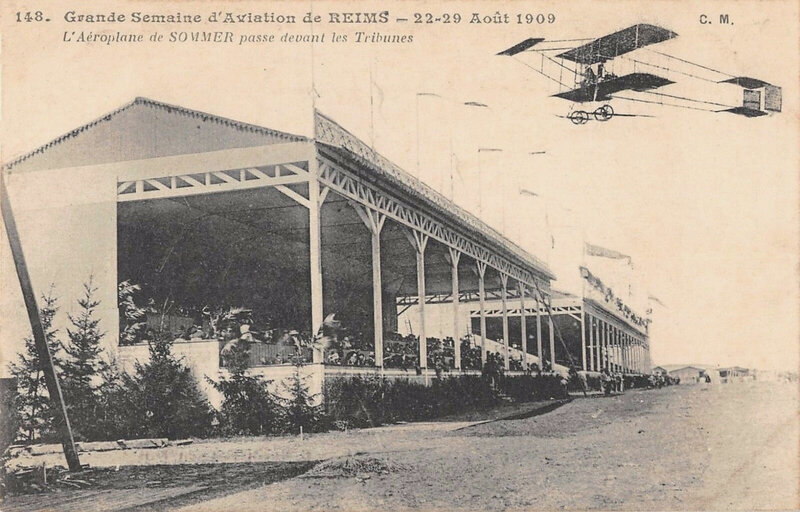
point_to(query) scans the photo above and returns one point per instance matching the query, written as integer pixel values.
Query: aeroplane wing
(605, 88)
(618, 43)
(521, 47)
(746, 82)
(745, 111)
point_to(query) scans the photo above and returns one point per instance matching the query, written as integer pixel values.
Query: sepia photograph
(370, 255)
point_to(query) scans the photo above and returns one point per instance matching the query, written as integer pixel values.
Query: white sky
(706, 204)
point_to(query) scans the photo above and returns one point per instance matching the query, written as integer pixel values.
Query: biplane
(596, 72)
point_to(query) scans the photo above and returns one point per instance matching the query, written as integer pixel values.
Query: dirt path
(683, 448)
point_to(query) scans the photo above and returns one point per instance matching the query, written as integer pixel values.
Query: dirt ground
(681, 448)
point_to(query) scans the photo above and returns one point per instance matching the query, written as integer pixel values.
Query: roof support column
(551, 329)
(627, 342)
(377, 293)
(315, 253)
(583, 338)
(591, 342)
(374, 222)
(482, 297)
(455, 256)
(504, 300)
(641, 357)
(523, 327)
(420, 241)
(598, 345)
(537, 296)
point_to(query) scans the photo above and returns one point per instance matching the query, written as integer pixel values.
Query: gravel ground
(680, 448)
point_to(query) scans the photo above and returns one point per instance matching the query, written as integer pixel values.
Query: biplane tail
(759, 98)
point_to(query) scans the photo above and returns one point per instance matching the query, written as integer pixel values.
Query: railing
(265, 354)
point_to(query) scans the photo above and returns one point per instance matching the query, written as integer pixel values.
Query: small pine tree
(82, 366)
(115, 418)
(165, 399)
(301, 410)
(248, 407)
(36, 415)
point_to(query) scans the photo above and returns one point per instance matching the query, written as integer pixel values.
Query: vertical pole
(537, 297)
(592, 356)
(315, 252)
(615, 347)
(598, 344)
(482, 299)
(552, 333)
(601, 334)
(523, 327)
(455, 256)
(504, 300)
(641, 357)
(39, 337)
(583, 338)
(422, 241)
(377, 289)
(626, 342)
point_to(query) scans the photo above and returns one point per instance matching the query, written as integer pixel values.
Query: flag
(656, 300)
(596, 250)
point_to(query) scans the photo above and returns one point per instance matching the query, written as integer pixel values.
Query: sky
(704, 203)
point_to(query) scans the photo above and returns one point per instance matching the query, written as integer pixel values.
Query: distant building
(735, 374)
(688, 374)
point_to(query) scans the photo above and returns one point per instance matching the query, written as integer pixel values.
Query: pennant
(596, 250)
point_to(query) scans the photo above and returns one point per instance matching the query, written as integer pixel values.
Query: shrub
(372, 401)
(247, 405)
(542, 386)
(33, 406)
(164, 398)
(81, 366)
(301, 411)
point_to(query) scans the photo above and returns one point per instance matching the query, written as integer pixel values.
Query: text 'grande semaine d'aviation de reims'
(333, 17)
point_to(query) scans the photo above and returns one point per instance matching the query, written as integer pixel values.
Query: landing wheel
(578, 117)
(604, 113)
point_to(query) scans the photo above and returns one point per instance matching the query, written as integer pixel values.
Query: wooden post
(374, 222)
(523, 327)
(536, 297)
(377, 289)
(591, 342)
(504, 301)
(482, 299)
(551, 329)
(598, 344)
(315, 253)
(627, 353)
(421, 243)
(583, 338)
(39, 337)
(455, 256)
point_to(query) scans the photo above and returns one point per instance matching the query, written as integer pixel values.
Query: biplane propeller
(601, 69)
